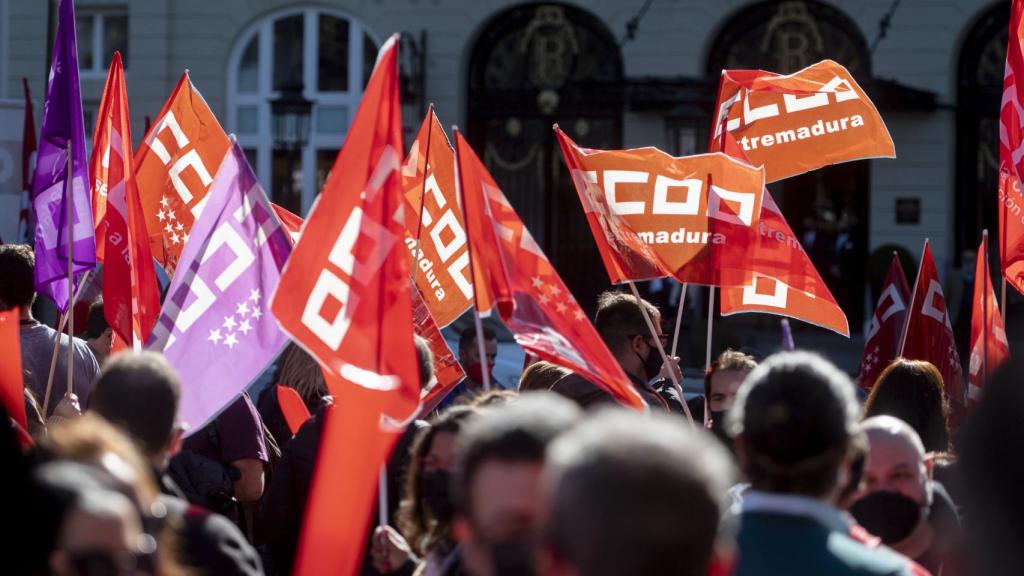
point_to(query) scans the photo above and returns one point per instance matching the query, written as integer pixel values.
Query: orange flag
(12, 386)
(292, 407)
(344, 296)
(928, 334)
(653, 215)
(438, 239)
(800, 122)
(989, 346)
(1011, 155)
(784, 280)
(174, 169)
(511, 272)
(131, 295)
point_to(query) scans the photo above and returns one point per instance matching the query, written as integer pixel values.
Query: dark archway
(532, 66)
(827, 208)
(979, 92)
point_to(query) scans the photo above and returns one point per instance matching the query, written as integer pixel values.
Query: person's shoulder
(582, 391)
(211, 541)
(861, 559)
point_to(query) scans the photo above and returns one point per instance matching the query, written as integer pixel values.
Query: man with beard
(901, 504)
(721, 383)
(621, 324)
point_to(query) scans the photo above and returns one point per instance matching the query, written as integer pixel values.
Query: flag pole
(711, 325)
(382, 496)
(984, 309)
(423, 194)
(913, 297)
(661, 350)
(1002, 300)
(69, 215)
(53, 363)
(679, 319)
(478, 324)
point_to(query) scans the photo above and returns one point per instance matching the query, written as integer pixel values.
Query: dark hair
(138, 392)
(17, 282)
(794, 418)
(468, 336)
(633, 494)
(541, 375)
(425, 359)
(728, 360)
(912, 390)
(519, 431)
(298, 370)
(619, 318)
(97, 323)
(419, 527)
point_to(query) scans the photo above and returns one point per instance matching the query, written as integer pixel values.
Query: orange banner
(12, 386)
(174, 167)
(800, 122)
(654, 215)
(437, 240)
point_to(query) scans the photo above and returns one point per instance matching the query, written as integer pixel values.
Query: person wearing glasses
(620, 322)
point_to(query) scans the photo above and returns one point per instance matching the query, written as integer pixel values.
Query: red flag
(292, 407)
(131, 295)
(1011, 155)
(344, 296)
(802, 121)
(28, 166)
(174, 169)
(291, 222)
(989, 347)
(653, 215)
(882, 342)
(928, 334)
(12, 387)
(447, 369)
(438, 239)
(511, 271)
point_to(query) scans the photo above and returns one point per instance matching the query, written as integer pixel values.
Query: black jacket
(661, 396)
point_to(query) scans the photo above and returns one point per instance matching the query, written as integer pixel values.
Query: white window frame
(263, 140)
(99, 17)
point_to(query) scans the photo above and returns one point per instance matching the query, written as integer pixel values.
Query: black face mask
(512, 558)
(652, 364)
(889, 515)
(436, 494)
(718, 427)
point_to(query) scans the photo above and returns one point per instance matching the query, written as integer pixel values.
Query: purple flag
(57, 177)
(216, 327)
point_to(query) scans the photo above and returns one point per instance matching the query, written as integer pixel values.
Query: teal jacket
(796, 536)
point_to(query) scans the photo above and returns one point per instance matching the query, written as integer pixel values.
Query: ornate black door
(536, 65)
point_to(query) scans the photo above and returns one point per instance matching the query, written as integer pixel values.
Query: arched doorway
(827, 208)
(979, 92)
(331, 56)
(532, 66)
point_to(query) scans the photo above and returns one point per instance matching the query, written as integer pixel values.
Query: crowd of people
(785, 472)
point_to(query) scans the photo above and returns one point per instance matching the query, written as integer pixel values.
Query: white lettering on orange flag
(174, 167)
(800, 122)
(437, 240)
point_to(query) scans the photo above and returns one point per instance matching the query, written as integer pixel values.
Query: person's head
(541, 375)
(85, 525)
(425, 362)
(426, 510)
(499, 463)
(897, 491)
(721, 382)
(629, 494)
(469, 352)
(98, 333)
(489, 398)
(912, 390)
(17, 283)
(621, 324)
(794, 418)
(138, 392)
(302, 372)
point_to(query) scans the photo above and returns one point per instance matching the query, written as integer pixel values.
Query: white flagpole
(661, 350)
(679, 319)
(711, 325)
(382, 496)
(984, 310)
(69, 214)
(1002, 300)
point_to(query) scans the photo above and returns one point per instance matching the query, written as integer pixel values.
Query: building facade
(612, 73)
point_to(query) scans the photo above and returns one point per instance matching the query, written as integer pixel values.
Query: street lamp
(290, 123)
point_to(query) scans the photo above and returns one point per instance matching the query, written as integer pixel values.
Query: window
(100, 34)
(326, 52)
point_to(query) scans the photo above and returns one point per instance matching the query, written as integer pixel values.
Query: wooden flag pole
(984, 310)
(1002, 300)
(913, 296)
(679, 319)
(661, 350)
(53, 363)
(481, 349)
